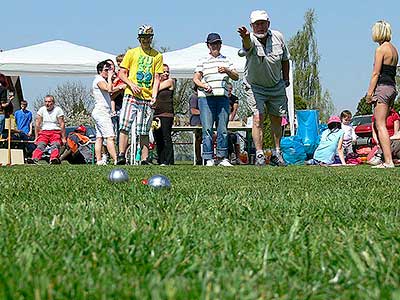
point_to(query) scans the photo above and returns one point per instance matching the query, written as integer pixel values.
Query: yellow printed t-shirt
(142, 67)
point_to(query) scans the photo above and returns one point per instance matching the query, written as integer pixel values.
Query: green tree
(303, 50)
(363, 108)
(76, 101)
(299, 103)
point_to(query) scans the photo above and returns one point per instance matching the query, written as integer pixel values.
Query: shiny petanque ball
(242, 52)
(159, 182)
(118, 175)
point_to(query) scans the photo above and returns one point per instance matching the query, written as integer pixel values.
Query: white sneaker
(375, 160)
(101, 163)
(225, 163)
(104, 158)
(210, 163)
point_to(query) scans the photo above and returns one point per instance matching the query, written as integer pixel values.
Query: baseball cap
(334, 119)
(213, 37)
(257, 15)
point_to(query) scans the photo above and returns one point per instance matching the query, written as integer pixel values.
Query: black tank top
(387, 75)
(165, 102)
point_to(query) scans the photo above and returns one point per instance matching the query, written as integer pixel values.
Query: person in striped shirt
(211, 77)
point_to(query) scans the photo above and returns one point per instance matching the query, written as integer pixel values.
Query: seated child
(349, 134)
(331, 143)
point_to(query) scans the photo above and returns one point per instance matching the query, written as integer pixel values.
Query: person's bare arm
(285, 72)
(30, 128)
(123, 74)
(375, 74)
(38, 125)
(62, 125)
(396, 126)
(245, 36)
(340, 151)
(195, 111)
(167, 84)
(156, 88)
(197, 81)
(234, 111)
(106, 85)
(232, 73)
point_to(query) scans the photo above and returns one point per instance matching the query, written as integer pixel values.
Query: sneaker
(375, 160)
(145, 163)
(277, 160)
(260, 160)
(32, 161)
(225, 163)
(101, 163)
(55, 161)
(383, 166)
(104, 158)
(121, 160)
(210, 163)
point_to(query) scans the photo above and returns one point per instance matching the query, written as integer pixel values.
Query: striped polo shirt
(208, 66)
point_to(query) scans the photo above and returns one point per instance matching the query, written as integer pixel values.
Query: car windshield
(360, 120)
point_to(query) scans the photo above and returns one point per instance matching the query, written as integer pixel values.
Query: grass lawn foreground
(219, 233)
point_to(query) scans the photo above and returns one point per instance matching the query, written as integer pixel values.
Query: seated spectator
(78, 148)
(49, 130)
(392, 125)
(330, 144)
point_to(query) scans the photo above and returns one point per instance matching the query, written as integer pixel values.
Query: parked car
(90, 131)
(363, 128)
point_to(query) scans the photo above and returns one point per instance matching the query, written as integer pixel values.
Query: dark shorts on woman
(385, 94)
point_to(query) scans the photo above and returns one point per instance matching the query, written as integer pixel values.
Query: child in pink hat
(331, 144)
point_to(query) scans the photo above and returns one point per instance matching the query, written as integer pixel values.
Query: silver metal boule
(242, 52)
(118, 175)
(159, 182)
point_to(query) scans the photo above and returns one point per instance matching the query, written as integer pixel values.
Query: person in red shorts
(49, 130)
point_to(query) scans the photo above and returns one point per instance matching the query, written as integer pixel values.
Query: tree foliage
(303, 50)
(76, 101)
(363, 108)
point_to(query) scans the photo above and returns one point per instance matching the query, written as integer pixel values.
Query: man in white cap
(265, 79)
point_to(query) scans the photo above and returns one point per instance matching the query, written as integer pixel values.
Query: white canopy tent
(183, 62)
(54, 58)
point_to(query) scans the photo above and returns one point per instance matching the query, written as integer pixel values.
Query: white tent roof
(183, 62)
(54, 58)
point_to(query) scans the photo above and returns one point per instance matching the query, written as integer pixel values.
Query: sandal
(383, 166)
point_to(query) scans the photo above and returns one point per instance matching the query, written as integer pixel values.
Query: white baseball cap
(258, 15)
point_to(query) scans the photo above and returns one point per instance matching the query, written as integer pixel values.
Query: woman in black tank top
(382, 88)
(164, 111)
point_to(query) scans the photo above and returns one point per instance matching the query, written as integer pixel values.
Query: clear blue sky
(343, 31)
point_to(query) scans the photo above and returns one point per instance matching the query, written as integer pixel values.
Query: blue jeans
(2, 123)
(214, 109)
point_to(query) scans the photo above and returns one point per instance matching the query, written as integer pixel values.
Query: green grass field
(219, 233)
